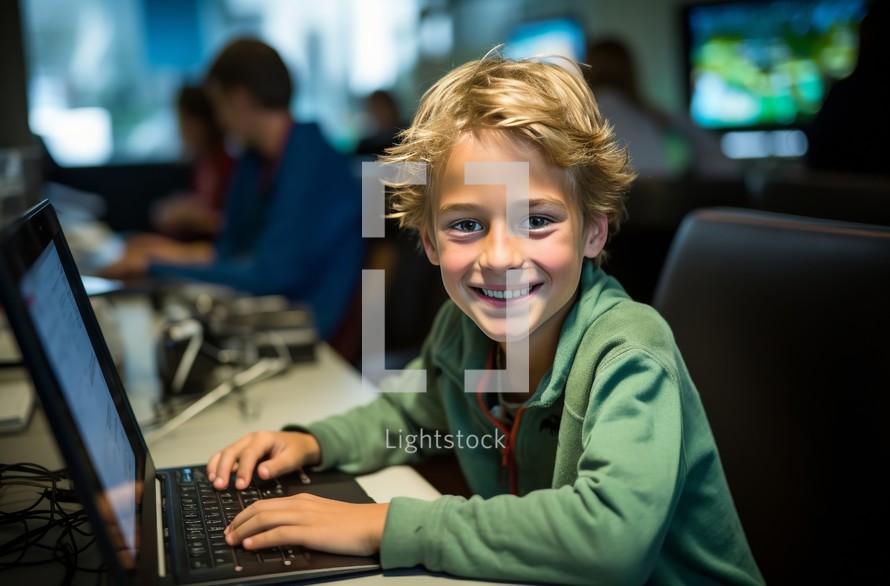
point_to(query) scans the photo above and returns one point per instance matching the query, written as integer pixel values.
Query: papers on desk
(386, 484)
(16, 405)
(16, 394)
(100, 286)
(9, 348)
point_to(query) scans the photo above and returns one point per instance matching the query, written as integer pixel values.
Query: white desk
(305, 393)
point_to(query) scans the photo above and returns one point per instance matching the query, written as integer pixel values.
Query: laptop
(154, 526)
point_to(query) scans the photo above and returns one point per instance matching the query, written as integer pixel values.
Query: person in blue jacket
(292, 218)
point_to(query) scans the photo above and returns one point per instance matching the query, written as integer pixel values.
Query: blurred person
(292, 217)
(850, 131)
(382, 111)
(660, 145)
(197, 213)
(193, 216)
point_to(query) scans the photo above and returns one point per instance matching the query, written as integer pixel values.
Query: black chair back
(784, 323)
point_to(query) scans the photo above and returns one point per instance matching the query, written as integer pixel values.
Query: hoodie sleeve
(364, 438)
(606, 528)
(357, 441)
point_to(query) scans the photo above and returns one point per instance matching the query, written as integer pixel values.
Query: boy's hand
(286, 451)
(310, 521)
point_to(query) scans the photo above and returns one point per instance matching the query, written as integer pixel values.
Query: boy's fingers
(223, 470)
(277, 536)
(246, 464)
(220, 468)
(226, 463)
(211, 467)
(242, 456)
(248, 525)
(276, 466)
(214, 469)
(246, 453)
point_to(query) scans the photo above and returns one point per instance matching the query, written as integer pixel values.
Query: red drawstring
(508, 457)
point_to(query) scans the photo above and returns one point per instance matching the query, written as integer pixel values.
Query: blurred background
(732, 92)
(101, 75)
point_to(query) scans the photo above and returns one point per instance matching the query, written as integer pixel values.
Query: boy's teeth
(512, 294)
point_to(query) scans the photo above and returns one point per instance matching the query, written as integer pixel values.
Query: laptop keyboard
(205, 514)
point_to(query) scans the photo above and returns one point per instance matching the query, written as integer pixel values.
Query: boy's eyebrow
(459, 208)
(533, 203)
(544, 201)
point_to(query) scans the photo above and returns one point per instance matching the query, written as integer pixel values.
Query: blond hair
(540, 103)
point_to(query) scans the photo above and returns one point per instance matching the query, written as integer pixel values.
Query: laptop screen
(54, 312)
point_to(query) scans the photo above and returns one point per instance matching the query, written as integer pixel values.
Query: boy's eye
(466, 226)
(535, 223)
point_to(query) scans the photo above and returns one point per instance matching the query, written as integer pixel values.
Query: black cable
(39, 521)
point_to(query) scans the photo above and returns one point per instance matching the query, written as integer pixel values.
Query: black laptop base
(197, 514)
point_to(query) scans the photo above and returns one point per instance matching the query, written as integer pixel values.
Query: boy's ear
(595, 236)
(429, 247)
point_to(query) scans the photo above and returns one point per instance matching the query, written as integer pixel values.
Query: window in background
(559, 36)
(103, 74)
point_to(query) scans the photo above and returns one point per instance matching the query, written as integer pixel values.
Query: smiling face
(476, 240)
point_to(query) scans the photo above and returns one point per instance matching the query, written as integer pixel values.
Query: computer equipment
(153, 526)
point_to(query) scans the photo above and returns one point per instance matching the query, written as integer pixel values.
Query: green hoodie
(615, 474)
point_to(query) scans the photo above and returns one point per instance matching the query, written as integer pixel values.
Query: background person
(197, 214)
(660, 145)
(292, 216)
(382, 111)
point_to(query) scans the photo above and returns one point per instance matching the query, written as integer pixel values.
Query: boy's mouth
(501, 296)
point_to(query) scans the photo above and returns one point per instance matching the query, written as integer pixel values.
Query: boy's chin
(500, 331)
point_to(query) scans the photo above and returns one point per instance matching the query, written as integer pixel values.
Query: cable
(46, 526)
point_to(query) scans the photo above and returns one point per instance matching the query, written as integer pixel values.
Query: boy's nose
(501, 251)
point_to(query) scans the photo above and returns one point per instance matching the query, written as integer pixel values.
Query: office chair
(784, 324)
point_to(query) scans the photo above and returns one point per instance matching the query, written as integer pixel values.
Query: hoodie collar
(470, 348)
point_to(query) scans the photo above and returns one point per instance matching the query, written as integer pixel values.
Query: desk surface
(305, 393)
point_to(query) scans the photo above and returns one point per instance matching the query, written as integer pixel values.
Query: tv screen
(557, 36)
(767, 64)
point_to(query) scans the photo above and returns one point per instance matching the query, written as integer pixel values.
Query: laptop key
(200, 562)
(270, 555)
(244, 558)
(222, 556)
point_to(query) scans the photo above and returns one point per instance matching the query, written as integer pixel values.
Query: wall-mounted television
(766, 63)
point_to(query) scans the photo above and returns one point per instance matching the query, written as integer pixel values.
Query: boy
(613, 471)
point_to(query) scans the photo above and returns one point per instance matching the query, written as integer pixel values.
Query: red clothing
(210, 180)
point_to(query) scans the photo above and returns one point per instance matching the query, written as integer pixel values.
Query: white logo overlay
(515, 177)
